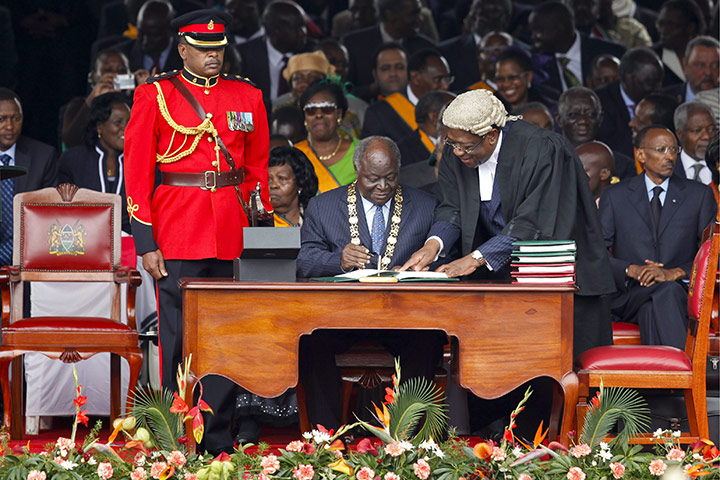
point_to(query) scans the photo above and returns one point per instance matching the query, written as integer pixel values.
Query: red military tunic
(189, 222)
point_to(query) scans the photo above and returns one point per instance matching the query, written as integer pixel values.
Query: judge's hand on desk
(354, 256)
(422, 258)
(154, 264)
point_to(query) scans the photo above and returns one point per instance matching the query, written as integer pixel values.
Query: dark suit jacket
(679, 91)
(361, 45)
(669, 77)
(628, 227)
(415, 171)
(135, 55)
(624, 165)
(544, 195)
(39, 159)
(382, 119)
(589, 49)
(326, 231)
(614, 129)
(461, 54)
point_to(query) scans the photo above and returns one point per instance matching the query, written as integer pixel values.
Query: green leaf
(417, 404)
(616, 404)
(151, 408)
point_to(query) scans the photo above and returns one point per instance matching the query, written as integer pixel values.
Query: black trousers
(660, 311)
(218, 392)
(419, 352)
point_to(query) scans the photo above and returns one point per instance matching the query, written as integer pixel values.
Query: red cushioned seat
(72, 324)
(625, 329)
(631, 357)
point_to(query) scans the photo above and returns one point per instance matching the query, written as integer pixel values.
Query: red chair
(70, 235)
(663, 367)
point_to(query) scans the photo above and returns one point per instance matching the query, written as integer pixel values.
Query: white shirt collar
(410, 95)
(689, 94)
(386, 37)
(672, 62)
(369, 209)
(629, 104)
(275, 65)
(649, 185)
(239, 39)
(10, 151)
(486, 172)
(687, 164)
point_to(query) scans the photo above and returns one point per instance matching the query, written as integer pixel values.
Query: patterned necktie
(7, 191)
(697, 167)
(378, 229)
(570, 79)
(656, 206)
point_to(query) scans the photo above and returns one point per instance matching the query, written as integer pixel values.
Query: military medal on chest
(240, 121)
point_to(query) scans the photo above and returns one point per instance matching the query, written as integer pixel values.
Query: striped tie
(7, 191)
(378, 229)
(570, 79)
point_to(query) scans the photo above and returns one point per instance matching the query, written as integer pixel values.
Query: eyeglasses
(466, 150)
(444, 78)
(510, 78)
(326, 108)
(663, 149)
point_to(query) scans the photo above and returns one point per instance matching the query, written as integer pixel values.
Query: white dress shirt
(275, 65)
(649, 185)
(410, 95)
(688, 162)
(10, 151)
(486, 172)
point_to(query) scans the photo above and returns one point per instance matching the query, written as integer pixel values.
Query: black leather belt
(208, 180)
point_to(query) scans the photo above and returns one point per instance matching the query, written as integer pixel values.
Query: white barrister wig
(477, 112)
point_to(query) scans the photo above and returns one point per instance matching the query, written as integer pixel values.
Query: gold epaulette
(239, 78)
(162, 76)
(205, 127)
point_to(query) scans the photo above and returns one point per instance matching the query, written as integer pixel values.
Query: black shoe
(249, 431)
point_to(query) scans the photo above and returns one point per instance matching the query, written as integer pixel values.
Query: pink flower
(270, 464)
(176, 458)
(391, 476)
(365, 473)
(498, 454)
(394, 449)
(581, 450)
(105, 470)
(64, 443)
(261, 476)
(304, 472)
(58, 460)
(190, 476)
(157, 468)
(524, 476)
(36, 475)
(138, 474)
(421, 469)
(657, 467)
(675, 454)
(617, 469)
(295, 446)
(576, 473)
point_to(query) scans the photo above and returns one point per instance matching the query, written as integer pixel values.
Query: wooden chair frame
(69, 345)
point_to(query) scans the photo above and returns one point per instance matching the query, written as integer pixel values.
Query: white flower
(439, 453)
(320, 437)
(155, 454)
(307, 435)
(68, 465)
(92, 461)
(605, 455)
(604, 446)
(697, 456)
(676, 433)
(409, 446)
(517, 451)
(593, 463)
(658, 433)
(428, 444)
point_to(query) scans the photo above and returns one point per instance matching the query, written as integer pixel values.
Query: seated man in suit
(417, 147)
(38, 158)
(653, 225)
(641, 74)
(579, 116)
(569, 54)
(695, 127)
(394, 116)
(347, 228)
(701, 68)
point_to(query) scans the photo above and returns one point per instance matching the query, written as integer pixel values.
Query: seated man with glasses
(653, 225)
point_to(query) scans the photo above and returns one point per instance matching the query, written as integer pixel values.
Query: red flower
(179, 405)
(389, 395)
(366, 446)
(80, 401)
(223, 457)
(308, 448)
(508, 436)
(322, 429)
(82, 418)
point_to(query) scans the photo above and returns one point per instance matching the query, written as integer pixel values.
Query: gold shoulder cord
(205, 127)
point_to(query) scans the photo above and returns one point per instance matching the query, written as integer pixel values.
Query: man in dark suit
(678, 22)
(505, 182)
(653, 225)
(400, 21)
(579, 116)
(641, 73)
(567, 55)
(38, 158)
(695, 127)
(155, 48)
(345, 229)
(394, 116)
(701, 67)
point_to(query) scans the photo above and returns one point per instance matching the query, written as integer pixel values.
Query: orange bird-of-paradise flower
(694, 471)
(336, 445)
(540, 435)
(342, 466)
(383, 415)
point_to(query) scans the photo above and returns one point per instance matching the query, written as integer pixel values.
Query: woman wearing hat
(303, 69)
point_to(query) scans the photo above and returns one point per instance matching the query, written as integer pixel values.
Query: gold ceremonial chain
(394, 223)
(205, 127)
(327, 157)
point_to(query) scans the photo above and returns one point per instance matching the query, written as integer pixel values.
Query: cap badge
(211, 25)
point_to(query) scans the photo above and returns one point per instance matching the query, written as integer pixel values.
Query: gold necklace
(394, 223)
(327, 157)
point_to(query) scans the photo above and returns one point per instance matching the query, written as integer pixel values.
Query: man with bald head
(598, 161)
(604, 71)
(653, 225)
(695, 127)
(347, 229)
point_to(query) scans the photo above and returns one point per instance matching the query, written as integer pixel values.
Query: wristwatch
(478, 257)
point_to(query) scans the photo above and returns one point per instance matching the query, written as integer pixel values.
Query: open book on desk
(407, 276)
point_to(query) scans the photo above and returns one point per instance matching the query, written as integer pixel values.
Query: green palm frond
(616, 404)
(151, 408)
(418, 400)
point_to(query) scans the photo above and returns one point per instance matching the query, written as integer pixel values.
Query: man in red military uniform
(207, 135)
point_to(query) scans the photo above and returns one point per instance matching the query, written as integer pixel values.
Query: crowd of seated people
(633, 86)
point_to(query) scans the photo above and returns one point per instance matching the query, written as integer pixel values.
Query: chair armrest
(133, 279)
(5, 275)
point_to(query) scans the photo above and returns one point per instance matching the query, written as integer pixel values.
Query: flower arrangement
(405, 445)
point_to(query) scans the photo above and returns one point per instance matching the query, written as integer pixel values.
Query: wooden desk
(507, 334)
